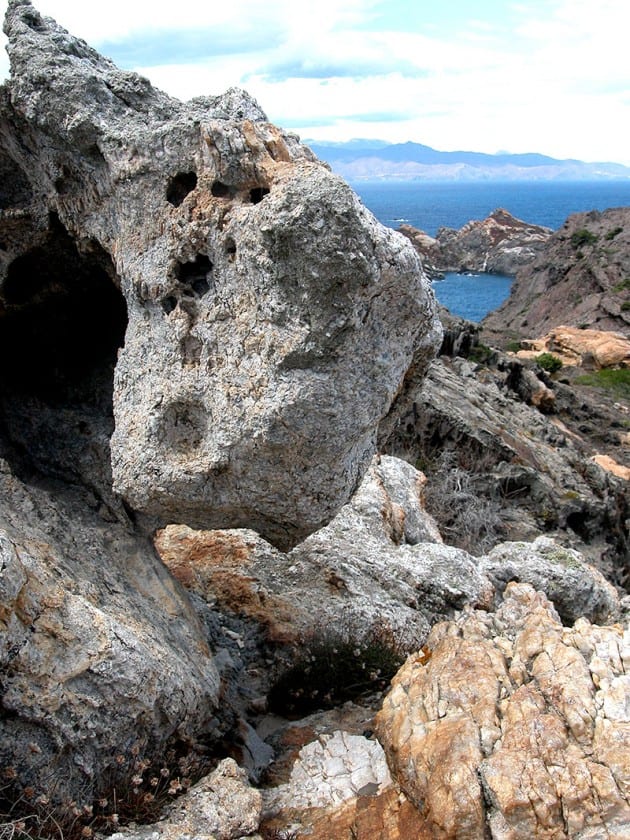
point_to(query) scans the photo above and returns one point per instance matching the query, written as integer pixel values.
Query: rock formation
(580, 278)
(590, 349)
(250, 322)
(514, 726)
(500, 244)
(263, 303)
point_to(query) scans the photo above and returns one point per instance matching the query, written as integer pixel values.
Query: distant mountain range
(363, 160)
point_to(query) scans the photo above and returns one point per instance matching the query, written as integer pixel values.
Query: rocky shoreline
(285, 551)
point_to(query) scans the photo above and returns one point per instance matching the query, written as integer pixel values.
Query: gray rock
(576, 589)
(221, 807)
(100, 650)
(271, 318)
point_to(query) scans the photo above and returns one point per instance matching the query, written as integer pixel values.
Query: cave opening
(62, 321)
(180, 186)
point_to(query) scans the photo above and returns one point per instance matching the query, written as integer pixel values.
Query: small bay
(472, 296)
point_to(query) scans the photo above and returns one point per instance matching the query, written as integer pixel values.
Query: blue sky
(550, 76)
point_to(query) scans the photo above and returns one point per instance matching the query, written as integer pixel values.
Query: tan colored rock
(515, 723)
(610, 465)
(587, 348)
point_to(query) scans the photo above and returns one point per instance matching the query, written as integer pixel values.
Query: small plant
(548, 362)
(334, 666)
(621, 287)
(625, 306)
(480, 353)
(583, 237)
(513, 346)
(614, 232)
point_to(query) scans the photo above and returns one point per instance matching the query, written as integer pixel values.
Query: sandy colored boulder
(586, 348)
(515, 725)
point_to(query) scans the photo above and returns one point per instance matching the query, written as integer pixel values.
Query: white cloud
(551, 76)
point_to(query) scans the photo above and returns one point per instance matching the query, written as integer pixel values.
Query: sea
(432, 205)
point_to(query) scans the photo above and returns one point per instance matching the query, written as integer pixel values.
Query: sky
(548, 76)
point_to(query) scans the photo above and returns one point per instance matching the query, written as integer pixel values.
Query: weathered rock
(515, 725)
(222, 806)
(586, 348)
(100, 650)
(482, 443)
(379, 564)
(575, 588)
(340, 787)
(578, 279)
(271, 318)
(500, 244)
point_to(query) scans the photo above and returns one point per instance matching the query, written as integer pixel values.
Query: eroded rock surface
(223, 806)
(586, 348)
(516, 725)
(271, 318)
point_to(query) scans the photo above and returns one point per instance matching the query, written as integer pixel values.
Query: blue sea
(430, 206)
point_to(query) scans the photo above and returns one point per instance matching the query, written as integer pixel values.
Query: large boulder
(514, 726)
(271, 318)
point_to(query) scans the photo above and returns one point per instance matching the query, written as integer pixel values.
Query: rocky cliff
(499, 244)
(202, 335)
(579, 279)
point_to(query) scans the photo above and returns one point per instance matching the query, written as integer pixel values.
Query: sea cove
(472, 296)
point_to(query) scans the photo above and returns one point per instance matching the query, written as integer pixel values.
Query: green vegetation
(334, 666)
(513, 346)
(614, 232)
(480, 353)
(621, 287)
(625, 306)
(583, 237)
(548, 362)
(617, 381)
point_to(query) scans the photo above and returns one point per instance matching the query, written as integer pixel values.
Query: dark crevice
(221, 190)
(195, 275)
(180, 186)
(62, 322)
(257, 194)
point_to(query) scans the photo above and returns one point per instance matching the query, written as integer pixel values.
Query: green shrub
(548, 362)
(513, 346)
(333, 666)
(614, 232)
(610, 379)
(621, 287)
(583, 237)
(625, 306)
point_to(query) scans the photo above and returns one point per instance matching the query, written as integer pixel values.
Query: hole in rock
(169, 304)
(180, 186)
(230, 248)
(62, 321)
(220, 190)
(195, 274)
(257, 194)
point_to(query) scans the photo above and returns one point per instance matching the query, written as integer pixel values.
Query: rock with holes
(271, 318)
(515, 727)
